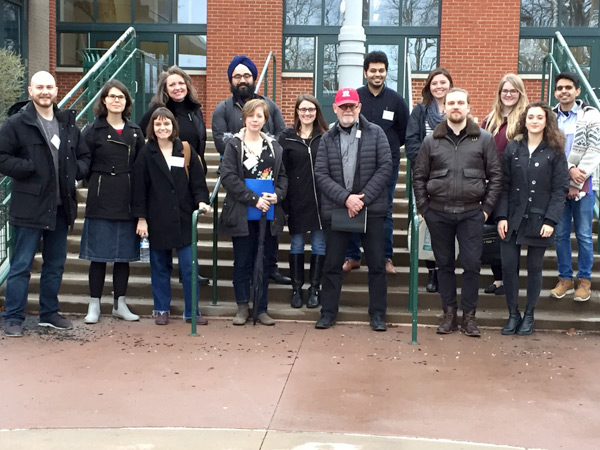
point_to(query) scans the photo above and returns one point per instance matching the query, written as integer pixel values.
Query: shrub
(12, 79)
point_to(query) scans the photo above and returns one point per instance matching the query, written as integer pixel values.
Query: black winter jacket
(533, 192)
(113, 155)
(415, 132)
(457, 178)
(302, 201)
(375, 161)
(190, 121)
(227, 121)
(167, 198)
(233, 220)
(26, 158)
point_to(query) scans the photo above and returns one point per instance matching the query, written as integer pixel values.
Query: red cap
(346, 95)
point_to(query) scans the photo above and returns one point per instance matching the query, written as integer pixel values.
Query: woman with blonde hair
(509, 103)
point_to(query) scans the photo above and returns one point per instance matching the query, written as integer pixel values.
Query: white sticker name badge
(388, 115)
(251, 162)
(358, 134)
(55, 141)
(176, 161)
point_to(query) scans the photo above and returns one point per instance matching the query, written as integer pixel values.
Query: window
(175, 29)
(306, 21)
(540, 19)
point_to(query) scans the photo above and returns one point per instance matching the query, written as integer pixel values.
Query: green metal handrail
(561, 59)
(413, 218)
(6, 231)
(214, 203)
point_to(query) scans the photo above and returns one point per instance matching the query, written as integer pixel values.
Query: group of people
(518, 171)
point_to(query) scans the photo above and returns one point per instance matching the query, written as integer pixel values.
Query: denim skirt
(105, 240)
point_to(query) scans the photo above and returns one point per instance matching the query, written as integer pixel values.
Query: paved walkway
(118, 385)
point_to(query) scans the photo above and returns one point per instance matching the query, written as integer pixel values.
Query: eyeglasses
(567, 87)
(116, 97)
(239, 76)
(307, 110)
(509, 92)
(348, 106)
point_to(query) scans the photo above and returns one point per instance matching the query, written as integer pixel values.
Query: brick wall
(478, 48)
(52, 37)
(292, 88)
(234, 28)
(199, 82)
(38, 46)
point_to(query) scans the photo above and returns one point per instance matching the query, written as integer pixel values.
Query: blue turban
(241, 59)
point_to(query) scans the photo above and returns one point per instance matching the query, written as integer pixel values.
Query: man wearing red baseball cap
(352, 170)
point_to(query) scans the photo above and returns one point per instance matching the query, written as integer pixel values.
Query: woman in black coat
(536, 182)
(252, 158)
(300, 144)
(109, 228)
(169, 185)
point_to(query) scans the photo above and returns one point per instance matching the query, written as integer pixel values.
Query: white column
(351, 49)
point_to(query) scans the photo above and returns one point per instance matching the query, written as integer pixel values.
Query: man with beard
(41, 150)
(386, 108)
(227, 121)
(457, 180)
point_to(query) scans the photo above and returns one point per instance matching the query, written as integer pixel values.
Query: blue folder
(258, 187)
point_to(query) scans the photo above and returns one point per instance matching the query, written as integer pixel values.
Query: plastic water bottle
(144, 250)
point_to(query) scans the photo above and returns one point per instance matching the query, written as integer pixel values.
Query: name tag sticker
(176, 161)
(358, 134)
(388, 115)
(251, 162)
(55, 141)
(570, 128)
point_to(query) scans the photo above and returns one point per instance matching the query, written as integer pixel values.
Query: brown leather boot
(449, 322)
(469, 324)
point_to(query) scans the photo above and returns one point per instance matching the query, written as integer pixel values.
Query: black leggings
(120, 278)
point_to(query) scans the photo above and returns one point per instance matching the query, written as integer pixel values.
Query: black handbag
(341, 221)
(491, 245)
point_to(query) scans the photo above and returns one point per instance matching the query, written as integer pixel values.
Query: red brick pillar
(52, 37)
(235, 28)
(479, 44)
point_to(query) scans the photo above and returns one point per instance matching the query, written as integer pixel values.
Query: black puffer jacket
(190, 121)
(301, 202)
(415, 132)
(113, 155)
(233, 220)
(534, 191)
(457, 178)
(26, 158)
(375, 170)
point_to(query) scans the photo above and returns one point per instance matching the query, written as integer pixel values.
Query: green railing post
(215, 249)
(194, 270)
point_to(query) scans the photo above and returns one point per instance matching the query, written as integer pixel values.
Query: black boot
(449, 322)
(316, 272)
(469, 324)
(514, 320)
(297, 276)
(525, 328)
(432, 285)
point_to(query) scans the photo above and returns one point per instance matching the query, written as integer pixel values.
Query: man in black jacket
(457, 180)
(41, 150)
(386, 108)
(352, 170)
(227, 121)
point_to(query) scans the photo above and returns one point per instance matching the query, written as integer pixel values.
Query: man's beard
(243, 90)
(454, 120)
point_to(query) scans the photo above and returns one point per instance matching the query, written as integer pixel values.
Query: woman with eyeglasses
(509, 103)
(300, 143)
(108, 234)
(422, 121)
(535, 186)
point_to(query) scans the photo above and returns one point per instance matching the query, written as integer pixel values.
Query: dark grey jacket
(227, 121)
(533, 192)
(457, 178)
(26, 158)
(375, 161)
(233, 220)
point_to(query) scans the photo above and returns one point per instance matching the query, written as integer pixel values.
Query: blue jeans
(161, 266)
(353, 251)
(54, 254)
(244, 255)
(317, 243)
(582, 212)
